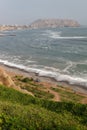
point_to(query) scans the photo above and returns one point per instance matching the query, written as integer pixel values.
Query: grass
(68, 95)
(23, 112)
(38, 90)
(30, 85)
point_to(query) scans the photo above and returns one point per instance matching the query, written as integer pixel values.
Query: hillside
(41, 89)
(23, 112)
(42, 23)
(53, 23)
(32, 105)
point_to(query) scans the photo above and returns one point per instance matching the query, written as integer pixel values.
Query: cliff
(5, 79)
(45, 23)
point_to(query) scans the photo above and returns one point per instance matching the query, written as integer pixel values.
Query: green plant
(20, 111)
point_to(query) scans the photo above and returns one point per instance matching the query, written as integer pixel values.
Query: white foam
(70, 64)
(72, 80)
(1, 34)
(29, 61)
(57, 35)
(65, 78)
(57, 76)
(52, 34)
(73, 37)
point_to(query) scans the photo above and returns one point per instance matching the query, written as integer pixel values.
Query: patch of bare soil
(48, 87)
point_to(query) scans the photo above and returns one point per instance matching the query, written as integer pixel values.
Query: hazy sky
(25, 11)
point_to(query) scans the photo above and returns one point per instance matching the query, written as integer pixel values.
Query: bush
(23, 112)
(26, 80)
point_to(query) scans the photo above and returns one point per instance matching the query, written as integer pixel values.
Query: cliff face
(54, 23)
(5, 79)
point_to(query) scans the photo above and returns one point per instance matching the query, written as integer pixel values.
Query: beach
(47, 81)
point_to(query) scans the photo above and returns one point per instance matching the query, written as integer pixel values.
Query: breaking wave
(57, 35)
(74, 37)
(51, 74)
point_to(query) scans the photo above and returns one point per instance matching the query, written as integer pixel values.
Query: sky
(26, 11)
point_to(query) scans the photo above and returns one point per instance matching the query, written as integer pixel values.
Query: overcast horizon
(26, 11)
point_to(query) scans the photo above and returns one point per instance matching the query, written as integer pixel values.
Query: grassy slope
(38, 90)
(68, 95)
(23, 112)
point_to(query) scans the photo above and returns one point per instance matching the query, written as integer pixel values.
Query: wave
(64, 78)
(57, 35)
(66, 38)
(69, 65)
(1, 34)
(52, 74)
(52, 34)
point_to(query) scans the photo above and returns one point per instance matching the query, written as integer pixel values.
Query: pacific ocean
(60, 53)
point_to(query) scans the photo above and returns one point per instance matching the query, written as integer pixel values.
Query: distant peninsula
(43, 23)
(53, 23)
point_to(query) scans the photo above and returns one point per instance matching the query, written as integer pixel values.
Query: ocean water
(60, 53)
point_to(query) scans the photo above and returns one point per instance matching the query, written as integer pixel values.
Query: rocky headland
(43, 23)
(53, 23)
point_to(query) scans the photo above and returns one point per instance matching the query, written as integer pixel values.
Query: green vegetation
(26, 80)
(39, 90)
(23, 112)
(30, 85)
(68, 96)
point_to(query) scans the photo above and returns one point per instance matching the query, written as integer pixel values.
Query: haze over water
(60, 53)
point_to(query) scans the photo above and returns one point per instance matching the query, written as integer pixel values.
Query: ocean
(60, 53)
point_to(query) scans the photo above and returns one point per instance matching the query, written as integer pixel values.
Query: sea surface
(59, 53)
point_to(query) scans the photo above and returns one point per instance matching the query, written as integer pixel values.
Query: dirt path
(84, 101)
(48, 87)
(56, 95)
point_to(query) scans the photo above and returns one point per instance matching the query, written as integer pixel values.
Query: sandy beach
(12, 71)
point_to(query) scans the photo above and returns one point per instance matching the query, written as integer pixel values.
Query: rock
(5, 79)
(53, 23)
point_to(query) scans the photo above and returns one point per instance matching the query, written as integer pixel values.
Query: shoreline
(12, 71)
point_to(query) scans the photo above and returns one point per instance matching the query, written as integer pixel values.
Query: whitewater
(59, 53)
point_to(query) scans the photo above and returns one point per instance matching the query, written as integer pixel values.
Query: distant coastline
(42, 23)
